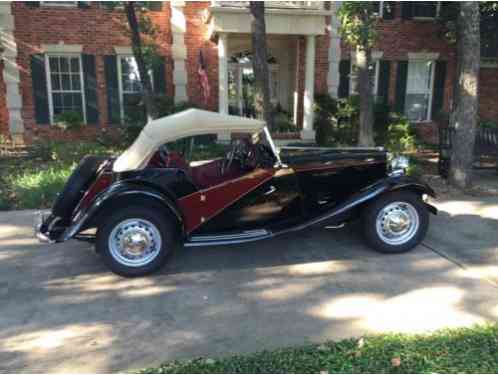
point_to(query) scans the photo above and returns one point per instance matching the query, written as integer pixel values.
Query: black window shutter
(344, 72)
(40, 93)
(90, 78)
(159, 72)
(111, 80)
(83, 4)
(406, 10)
(388, 10)
(401, 76)
(32, 4)
(383, 84)
(438, 94)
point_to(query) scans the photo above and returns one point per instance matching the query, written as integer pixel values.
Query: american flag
(203, 77)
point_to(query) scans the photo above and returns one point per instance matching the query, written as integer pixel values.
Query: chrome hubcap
(135, 242)
(397, 223)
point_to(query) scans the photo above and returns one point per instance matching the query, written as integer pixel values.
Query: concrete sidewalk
(62, 311)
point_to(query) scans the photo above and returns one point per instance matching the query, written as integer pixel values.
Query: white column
(179, 50)
(223, 81)
(11, 73)
(309, 89)
(334, 53)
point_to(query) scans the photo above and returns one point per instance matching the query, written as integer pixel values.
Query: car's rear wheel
(136, 241)
(396, 222)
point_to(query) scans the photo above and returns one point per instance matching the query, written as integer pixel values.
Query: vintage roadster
(154, 196)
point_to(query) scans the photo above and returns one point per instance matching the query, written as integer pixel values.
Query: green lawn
(33, 181)
(468, 350)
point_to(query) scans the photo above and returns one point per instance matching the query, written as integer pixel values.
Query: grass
(467, 350)
(34, 181)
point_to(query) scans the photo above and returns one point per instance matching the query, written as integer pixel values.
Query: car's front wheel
(396, 222)
(135, 241)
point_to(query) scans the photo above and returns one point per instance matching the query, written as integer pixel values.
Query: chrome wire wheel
(397, 223)
(135, 242)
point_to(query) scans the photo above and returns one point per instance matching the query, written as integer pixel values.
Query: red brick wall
(196, 39)
(4, 123)
(97, 29)
(398, 37)
(488, 94)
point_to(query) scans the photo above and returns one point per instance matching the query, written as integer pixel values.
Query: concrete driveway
(60, 310)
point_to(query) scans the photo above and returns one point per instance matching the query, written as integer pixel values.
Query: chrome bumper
(41, 227)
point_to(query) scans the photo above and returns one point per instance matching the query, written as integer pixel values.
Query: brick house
(76, 56)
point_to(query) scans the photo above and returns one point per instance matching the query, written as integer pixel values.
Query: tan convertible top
(180, 125)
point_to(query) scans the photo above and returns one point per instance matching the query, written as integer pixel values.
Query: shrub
(69, 121)
(281, 121)
(400, 136)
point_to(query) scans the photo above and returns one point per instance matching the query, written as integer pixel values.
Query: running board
(228, 239)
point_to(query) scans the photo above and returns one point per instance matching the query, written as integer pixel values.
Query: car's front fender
(109, 198)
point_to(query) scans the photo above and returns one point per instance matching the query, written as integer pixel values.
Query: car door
(264, 198)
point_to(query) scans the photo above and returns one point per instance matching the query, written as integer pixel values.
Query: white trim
(11, 73)
(123, 50)
(62, 48)
(334, 52)
(424, 56)
(49, 84)
(58, 4)
(380, 13)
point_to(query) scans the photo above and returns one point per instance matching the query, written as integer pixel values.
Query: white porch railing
(315, 5)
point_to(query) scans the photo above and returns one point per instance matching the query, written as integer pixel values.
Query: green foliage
(35, 180)
(336, 120)
(281, 121)
(400, 136)
(358, 23)
(35, 188)
(462, 350)
(69, 121)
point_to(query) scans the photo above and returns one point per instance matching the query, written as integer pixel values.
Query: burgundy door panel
(201, 206)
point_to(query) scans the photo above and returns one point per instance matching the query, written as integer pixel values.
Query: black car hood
(314, 155)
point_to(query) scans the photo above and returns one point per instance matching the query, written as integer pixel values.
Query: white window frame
(380, 13)
(438, 12)
(431, 91)
(69, 4)
(49, 83)
(120, 83)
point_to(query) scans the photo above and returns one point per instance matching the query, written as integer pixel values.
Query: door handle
(271, 190)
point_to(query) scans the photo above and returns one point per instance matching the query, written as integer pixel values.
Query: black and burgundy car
(155, 196)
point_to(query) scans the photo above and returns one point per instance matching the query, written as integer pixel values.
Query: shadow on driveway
(62, 310)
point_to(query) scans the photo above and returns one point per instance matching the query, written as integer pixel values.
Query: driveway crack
(459, 264)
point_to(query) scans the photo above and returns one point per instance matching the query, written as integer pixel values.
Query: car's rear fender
(117, 195)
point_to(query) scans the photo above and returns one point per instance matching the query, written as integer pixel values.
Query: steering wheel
(241, 150)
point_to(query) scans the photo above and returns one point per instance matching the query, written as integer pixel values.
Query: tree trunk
(136, 43)
(364, 82)
(464, 118)
(260, 62)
